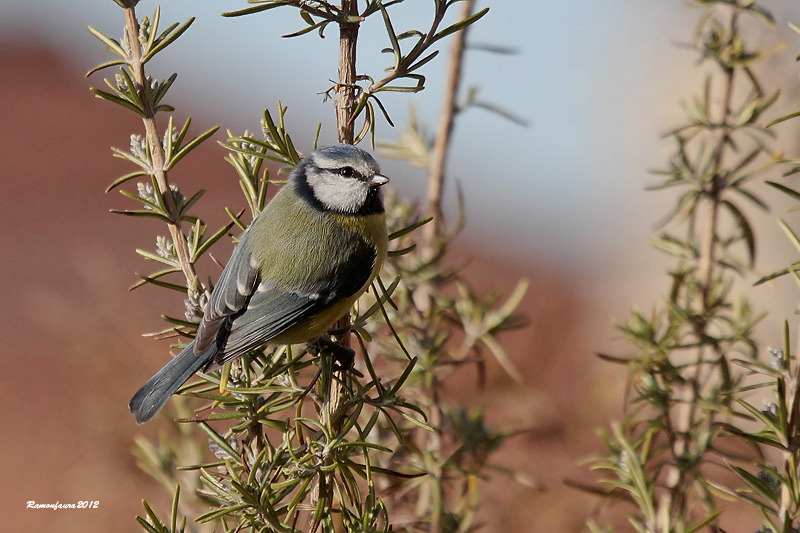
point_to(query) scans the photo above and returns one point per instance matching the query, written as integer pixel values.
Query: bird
(300, 266)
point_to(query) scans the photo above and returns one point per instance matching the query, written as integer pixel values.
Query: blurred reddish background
(75, 354)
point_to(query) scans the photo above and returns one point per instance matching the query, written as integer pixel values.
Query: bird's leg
(343, 356)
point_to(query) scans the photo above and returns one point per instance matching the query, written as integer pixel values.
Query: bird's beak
(378, 180)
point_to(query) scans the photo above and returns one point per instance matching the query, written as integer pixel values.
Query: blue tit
(299, 267)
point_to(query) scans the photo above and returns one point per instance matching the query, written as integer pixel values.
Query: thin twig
(346, 88)
(433, 231)
(673, 501)
(157, 151)
(441, 147)
(401, 70)
(435, 494)
(345, 106)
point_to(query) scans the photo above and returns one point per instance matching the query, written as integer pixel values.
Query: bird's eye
(347, 172)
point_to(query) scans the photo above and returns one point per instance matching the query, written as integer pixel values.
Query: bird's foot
(343, 356)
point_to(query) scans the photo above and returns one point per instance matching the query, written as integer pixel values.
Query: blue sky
(598, 80)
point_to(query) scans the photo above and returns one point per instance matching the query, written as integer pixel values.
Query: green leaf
(408, 229)
(398, 54)
(191, 201)
(211, 240)
(402, 251)
(132, 95)
(394, 333)
(368, 125)
(221, 442)
(460, 25)
(385, 113)
(146, 525)
(118, 100)
(515, 298)
(422, 61)
(502, 357)
(155, 275)
(403, 377)
(783, 119)
(106, 65)
(501, 112)
(166, 39)
(784, 189)
(235, 218)
(745, 228)
(175, 500)
(792, 236)
(400, 89)
(759, 11)
(770, 277)
(762, 417)
(154, 257)
(384, 297)
(706, 521)
(141, 213)
(251, 10)
(162, 89)
(112, 44)
(154, 518)
(416, 422)
(220, 512)
(321, 25)
(191, 145)
(759, 486)
(753, 198)
(205, 417)
(164, 284)
(154, 24)
(119, 181)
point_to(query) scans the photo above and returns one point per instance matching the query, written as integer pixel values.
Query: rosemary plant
(286, 439)
(690, 353)
(773, 484)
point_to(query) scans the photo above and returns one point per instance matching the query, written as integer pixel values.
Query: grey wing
(269, 313)
(230, 296)
(272, 310)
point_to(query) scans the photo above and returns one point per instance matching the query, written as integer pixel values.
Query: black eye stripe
(350, 172)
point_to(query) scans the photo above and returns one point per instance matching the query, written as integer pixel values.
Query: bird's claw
(343, 356)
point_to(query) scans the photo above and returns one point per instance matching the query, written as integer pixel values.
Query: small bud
(190, 235)
(177, 194)
(126, 44)
(622, 462)
(171, 134)
(221, 453)
(195, 304)
(769, 479)
(122, 85)
(165, 248)
(770, 409)
(144, 31)
(776, 359)
(138, 146)
(145, 191)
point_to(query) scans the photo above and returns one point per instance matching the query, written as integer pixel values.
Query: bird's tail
(154, 394)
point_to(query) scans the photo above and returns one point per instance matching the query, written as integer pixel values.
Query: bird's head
(341, 178)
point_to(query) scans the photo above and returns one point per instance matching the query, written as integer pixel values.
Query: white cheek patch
(341, 194)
